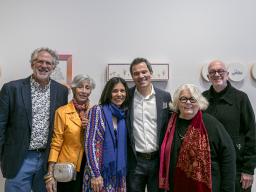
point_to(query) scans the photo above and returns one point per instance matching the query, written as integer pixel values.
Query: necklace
(181, 128)
(180, 135)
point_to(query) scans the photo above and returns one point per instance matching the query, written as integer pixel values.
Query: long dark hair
(106, 94)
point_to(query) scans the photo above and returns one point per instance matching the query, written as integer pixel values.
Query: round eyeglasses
(220, 72)
(184, 99)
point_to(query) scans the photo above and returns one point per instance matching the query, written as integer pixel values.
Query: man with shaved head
(233, 109)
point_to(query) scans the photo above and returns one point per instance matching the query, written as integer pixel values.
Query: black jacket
(16, 122)
(233, 109)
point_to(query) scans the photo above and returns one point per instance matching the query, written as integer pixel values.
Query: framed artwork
(236, 72)
(253, 71)
(160, 72)
(63, 71)
(204, 72)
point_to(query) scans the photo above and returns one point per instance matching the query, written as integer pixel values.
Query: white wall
(185, 34)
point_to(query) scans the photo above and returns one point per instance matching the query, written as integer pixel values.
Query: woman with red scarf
(67, 144)
(197, 154)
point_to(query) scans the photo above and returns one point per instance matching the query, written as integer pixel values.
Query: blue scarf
(114, 146)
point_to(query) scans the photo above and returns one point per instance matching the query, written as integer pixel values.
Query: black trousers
(73, 186)
(144, 175)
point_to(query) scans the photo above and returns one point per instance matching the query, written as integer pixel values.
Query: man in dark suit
(27, 109)
(146, 122)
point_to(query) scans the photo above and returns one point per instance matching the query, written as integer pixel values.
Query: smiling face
(118, 94)
(82, 92)
(141, 76)
(218, 75)
(187, 105)
(42, 67)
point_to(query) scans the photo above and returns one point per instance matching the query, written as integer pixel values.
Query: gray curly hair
(195, 92)
(53, 53)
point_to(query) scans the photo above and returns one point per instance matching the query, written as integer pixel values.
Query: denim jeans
(30, 175)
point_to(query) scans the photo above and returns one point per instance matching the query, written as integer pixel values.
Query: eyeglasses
(220, 72)
(185, 99)
(41, 62)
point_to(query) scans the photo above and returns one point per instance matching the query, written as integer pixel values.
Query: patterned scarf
(193, 168)
(81, 109)
(114, 146)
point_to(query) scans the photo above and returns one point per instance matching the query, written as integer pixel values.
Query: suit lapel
(26, 97)
(130, 115)
(159, 108)
(53, 99)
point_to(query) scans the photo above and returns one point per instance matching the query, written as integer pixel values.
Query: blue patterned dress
(94, 139)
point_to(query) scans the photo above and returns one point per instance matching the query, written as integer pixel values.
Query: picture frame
(160, 71)
(63, 71)
(253, 71)
(236, 72)
(204, 72)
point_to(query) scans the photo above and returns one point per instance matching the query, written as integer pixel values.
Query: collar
(227, 94)
(71, 108)
(35, 84)
(152, 93)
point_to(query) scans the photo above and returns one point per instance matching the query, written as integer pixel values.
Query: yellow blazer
(68, 137)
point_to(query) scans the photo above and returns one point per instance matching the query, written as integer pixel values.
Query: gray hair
(53, 53)
(195, 92)
(78, 79)
(215, 62)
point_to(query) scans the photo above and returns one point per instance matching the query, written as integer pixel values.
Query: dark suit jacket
(16, 122)
(163, 112)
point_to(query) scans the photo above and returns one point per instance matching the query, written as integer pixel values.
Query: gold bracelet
(48, 180)
(47, 176)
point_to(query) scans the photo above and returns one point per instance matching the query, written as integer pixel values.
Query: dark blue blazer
(16, 122)
(163, 113)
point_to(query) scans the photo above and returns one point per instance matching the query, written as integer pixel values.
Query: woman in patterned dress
(68, 136)
(105, 140)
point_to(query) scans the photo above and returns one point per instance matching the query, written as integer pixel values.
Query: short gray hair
(53, 53)
(195, 92)
(78, 79)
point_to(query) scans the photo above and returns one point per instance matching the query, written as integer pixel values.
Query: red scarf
(81, 109)
(193, 168)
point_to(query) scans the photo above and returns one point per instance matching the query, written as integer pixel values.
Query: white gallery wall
(184, 33)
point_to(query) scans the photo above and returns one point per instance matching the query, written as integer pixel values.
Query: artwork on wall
(204, 72)
(160, 71)
(63, 71)
(253, 71)
(236, 72)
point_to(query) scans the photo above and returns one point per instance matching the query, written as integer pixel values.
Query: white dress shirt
(145, 122)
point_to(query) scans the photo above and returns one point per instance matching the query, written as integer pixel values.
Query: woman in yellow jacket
(67, 141)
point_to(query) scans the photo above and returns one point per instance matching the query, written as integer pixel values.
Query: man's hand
(246, 180)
